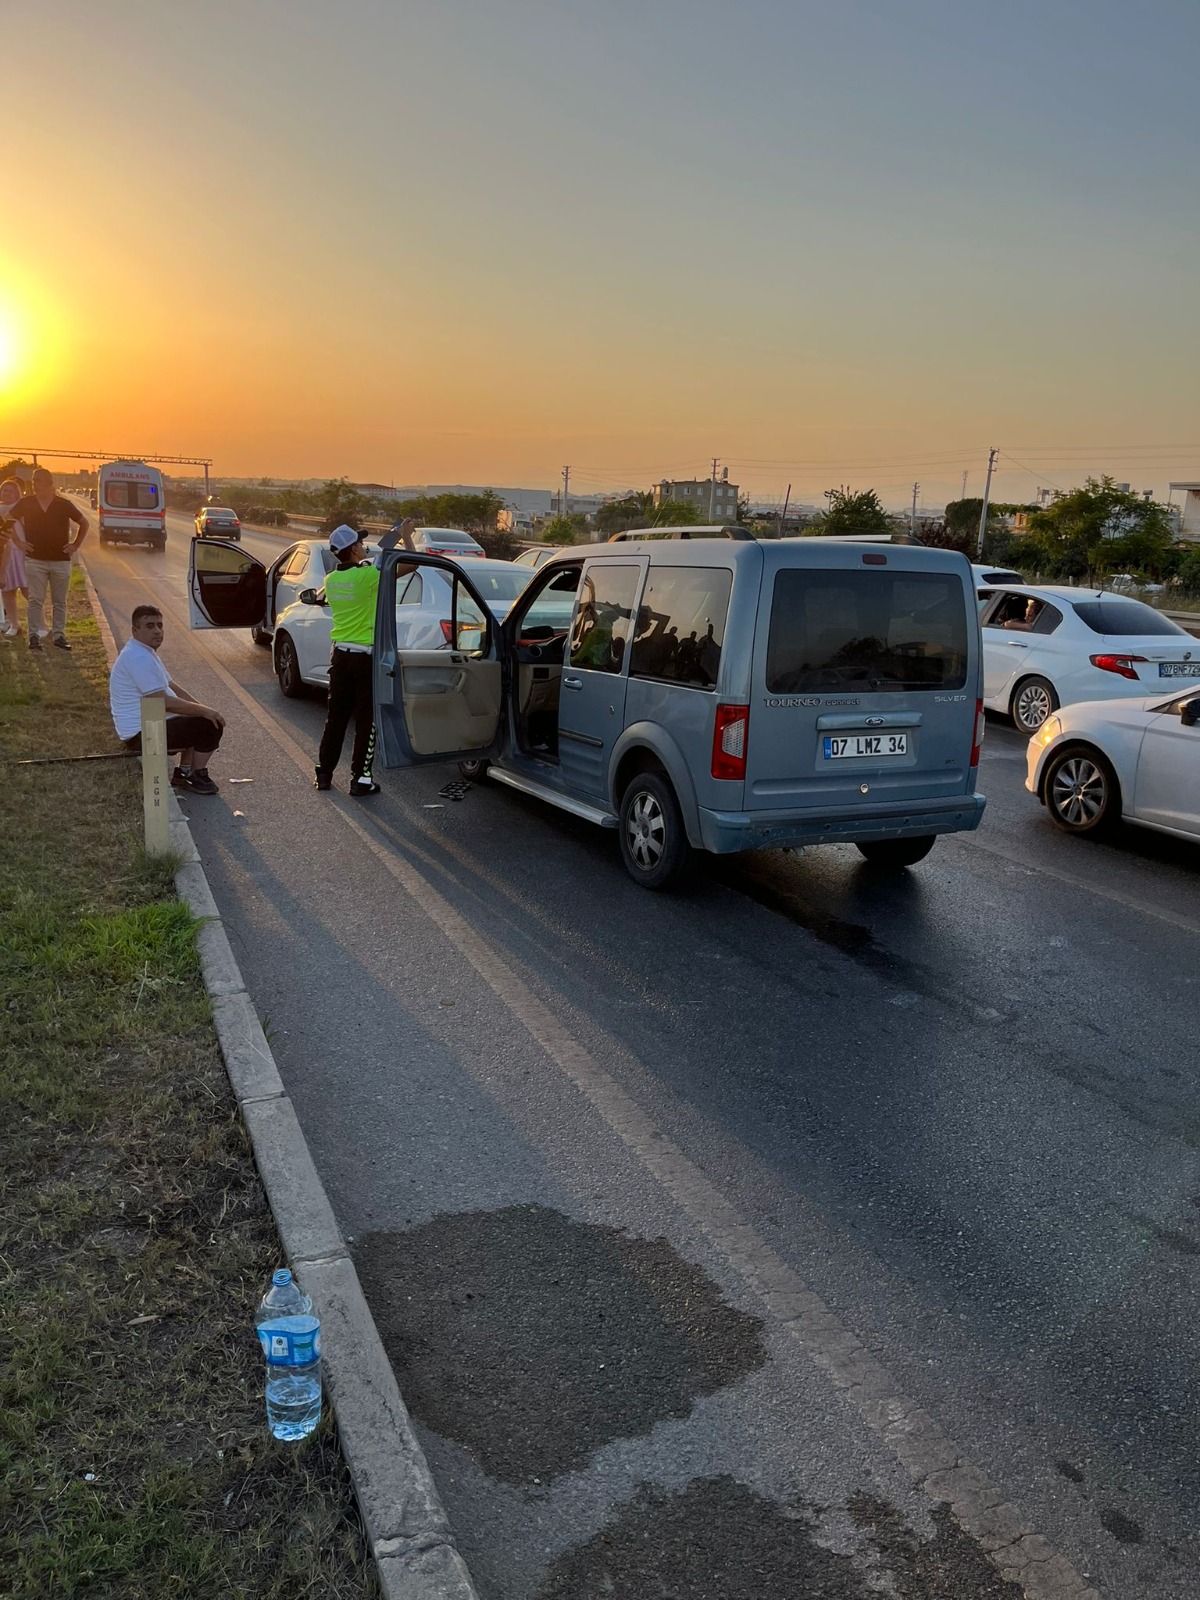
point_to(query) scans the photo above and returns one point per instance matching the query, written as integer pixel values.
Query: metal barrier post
(154, 775)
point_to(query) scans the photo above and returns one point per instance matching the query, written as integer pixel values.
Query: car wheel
(261, 636)
(1032, 702)
(654, 845)
(898, 852)
(287, 669)
(1081, 791)
(474, 771)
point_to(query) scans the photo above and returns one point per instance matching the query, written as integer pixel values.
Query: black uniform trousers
(350, 695)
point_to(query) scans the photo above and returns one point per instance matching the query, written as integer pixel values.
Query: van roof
(775, 554)
(699, 530)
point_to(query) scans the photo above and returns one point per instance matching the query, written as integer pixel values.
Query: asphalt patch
(533, 1340)
(719, 1540)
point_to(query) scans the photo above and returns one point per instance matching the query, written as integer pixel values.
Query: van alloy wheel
(646, 830)
(654, 842)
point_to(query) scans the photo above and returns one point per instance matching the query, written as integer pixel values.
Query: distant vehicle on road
(993, 575)
(131, 505)
(445, 542)
(1126, 583)
(218, 522)
(294, 619)
(538, 558)
(1050, 647)
(1091, 765)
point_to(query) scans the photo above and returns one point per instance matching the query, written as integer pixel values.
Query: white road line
(1130, 902)
(929, 1455)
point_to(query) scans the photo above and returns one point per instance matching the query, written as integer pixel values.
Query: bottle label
(290, 1341)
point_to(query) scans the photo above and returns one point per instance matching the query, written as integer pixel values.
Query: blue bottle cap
(280, 1276)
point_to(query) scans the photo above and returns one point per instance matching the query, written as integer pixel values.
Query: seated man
(193, 730)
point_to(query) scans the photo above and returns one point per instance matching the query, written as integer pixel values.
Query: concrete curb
(407, 1527)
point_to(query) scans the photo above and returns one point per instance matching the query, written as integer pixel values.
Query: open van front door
(441, 704)
(227, 587)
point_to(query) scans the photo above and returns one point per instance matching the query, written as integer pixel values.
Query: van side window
(835, 630)
(600, 632)
(681, 625)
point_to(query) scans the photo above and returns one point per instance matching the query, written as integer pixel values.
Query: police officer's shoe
(363, 785)
(322, 779)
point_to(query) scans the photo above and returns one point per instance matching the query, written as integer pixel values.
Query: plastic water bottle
(290, 1337)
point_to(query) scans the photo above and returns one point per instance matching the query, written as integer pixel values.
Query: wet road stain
(533, 1339)
(1124, 1529)
(719, 1540)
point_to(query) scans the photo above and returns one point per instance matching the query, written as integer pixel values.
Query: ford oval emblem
(874, 722)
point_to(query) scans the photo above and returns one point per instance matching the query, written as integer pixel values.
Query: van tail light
(980, 730)
(731, 734)
(1123, 666)
(447, 630)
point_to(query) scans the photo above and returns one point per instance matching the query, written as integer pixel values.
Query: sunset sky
(470, 240)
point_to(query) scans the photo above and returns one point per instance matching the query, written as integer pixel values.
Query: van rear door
(866, 677)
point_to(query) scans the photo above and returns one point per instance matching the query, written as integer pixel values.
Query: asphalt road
(576, 1132)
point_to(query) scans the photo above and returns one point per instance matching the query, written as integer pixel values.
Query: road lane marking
(930, 1457)
(1129, 902)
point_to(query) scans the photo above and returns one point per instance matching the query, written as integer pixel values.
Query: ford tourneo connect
(712, 694)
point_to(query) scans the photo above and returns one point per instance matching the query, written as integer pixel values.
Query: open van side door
(227, 587)
(442, 704)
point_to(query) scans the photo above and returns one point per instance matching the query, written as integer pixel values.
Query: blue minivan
(703, 694)
(718, 695)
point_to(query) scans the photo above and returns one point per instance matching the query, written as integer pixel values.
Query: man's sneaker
(34, 642)
(199, 783)
(322, 780)
(60, 643)
(179, 778)
(362, 786)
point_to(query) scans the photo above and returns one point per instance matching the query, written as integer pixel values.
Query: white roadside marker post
(154, 774)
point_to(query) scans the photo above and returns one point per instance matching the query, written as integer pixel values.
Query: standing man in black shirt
(44, 520)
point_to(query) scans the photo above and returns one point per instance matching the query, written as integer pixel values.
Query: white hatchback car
(1050, 647)
(1090, 765)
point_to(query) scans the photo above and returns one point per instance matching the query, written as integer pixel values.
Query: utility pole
(783, 513)
(712, 488)
(912, 516)
(987, 493)
(966, 475)
(566, 487)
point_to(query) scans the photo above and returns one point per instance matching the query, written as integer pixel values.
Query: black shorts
(185, 733)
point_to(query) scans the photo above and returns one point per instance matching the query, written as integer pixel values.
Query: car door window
(1017, 613)
(681, 625)
(548, 612)
(600, 634)
(409, 593)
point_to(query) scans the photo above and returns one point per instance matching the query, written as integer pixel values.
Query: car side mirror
(310, 597)
(1189, 713)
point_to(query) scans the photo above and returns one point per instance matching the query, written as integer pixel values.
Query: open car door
(441, 704)
(227, 587)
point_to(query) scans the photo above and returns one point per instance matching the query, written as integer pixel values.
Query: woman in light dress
(12, 559)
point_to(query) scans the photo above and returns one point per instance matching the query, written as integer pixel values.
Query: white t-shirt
(137, 671)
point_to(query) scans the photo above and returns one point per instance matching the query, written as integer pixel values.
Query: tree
(341, 502)
(1098, 529)
(631, 511)
(962, 529)
(564, 530)
(851, 513)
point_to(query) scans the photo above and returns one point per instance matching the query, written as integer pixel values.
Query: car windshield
(502, 584)
(1124, 618)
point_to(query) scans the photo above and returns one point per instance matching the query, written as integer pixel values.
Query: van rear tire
(897, 852)
(654, 843)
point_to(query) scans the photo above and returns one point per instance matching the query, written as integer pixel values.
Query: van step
(577, 808)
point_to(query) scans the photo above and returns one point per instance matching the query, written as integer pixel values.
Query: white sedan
(423, 619)
(1049, 647)
(1091, 765)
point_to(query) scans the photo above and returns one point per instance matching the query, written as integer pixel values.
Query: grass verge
(134, 1235)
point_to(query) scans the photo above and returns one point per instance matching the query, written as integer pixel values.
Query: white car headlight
(1050, 729)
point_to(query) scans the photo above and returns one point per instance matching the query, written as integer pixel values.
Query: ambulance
(131, 504)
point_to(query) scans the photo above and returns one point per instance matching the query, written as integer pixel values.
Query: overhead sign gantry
(108, 455)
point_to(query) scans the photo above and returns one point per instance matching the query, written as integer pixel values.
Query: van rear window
(866, 630)
(121, 492)
(681, 625)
